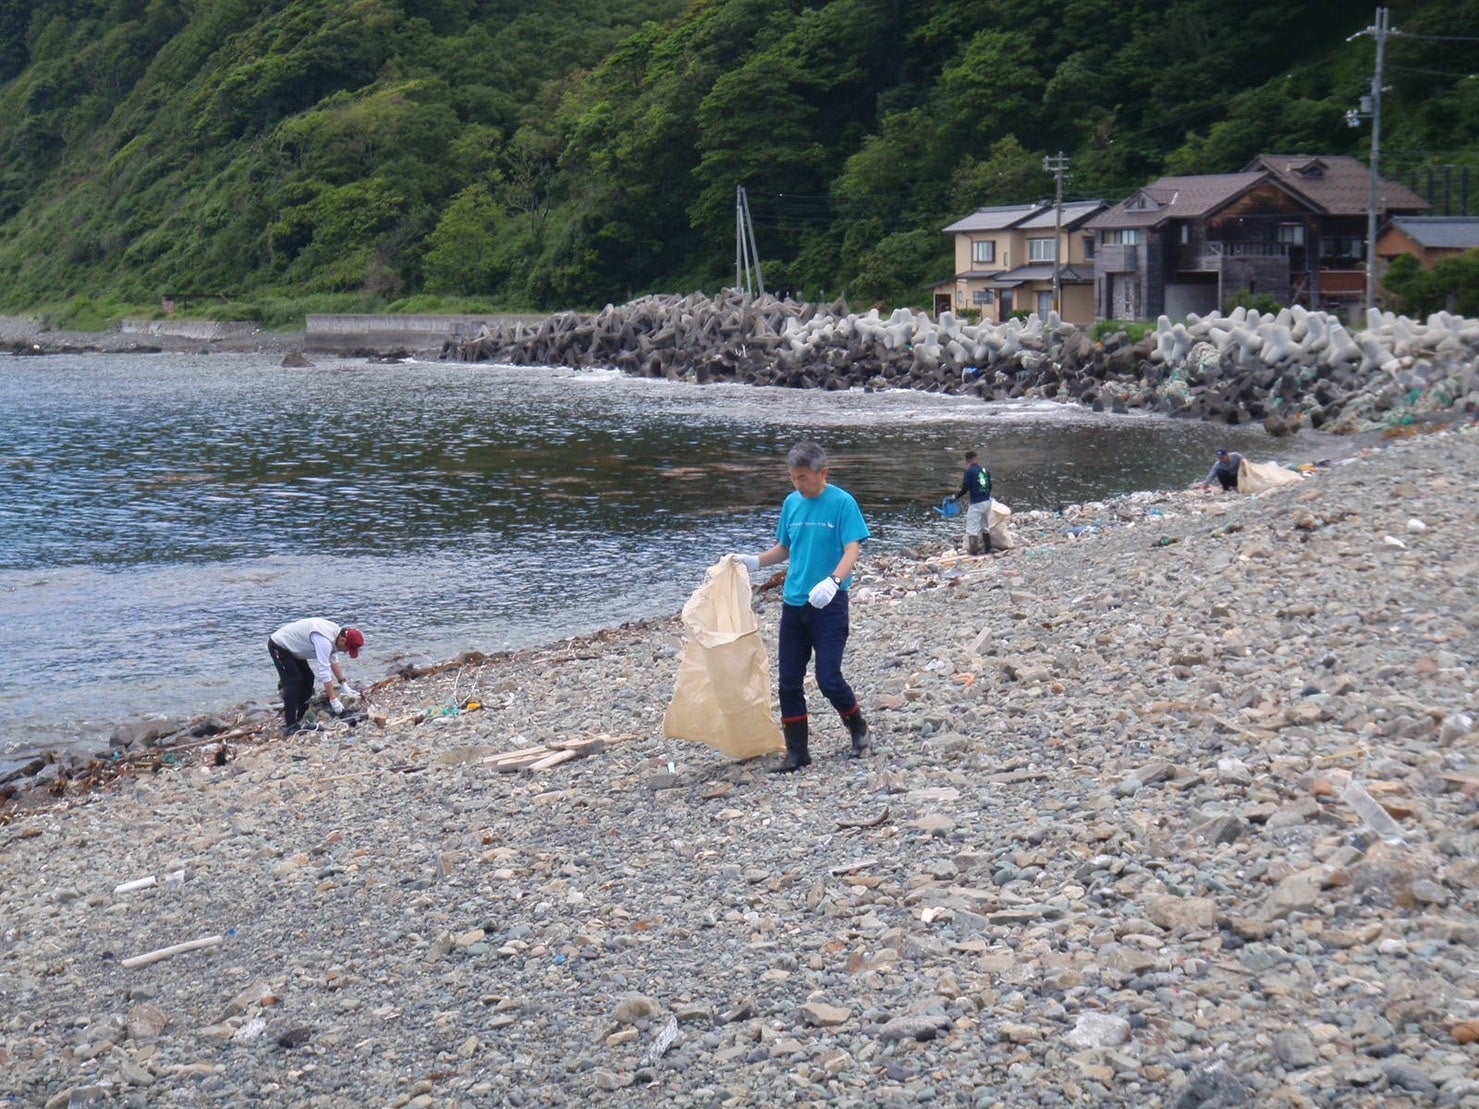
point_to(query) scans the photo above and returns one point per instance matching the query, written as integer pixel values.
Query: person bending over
(292, 645)
(1224, 471)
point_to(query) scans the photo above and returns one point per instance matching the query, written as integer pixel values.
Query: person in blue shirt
(1224, 471)
(976, 484)
(821, 533)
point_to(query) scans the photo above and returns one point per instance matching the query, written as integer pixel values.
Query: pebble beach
(1174, 804)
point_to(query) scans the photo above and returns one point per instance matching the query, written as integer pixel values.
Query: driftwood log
(173, 949)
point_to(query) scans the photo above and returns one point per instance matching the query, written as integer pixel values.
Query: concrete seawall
(205, 331)
(381, 333)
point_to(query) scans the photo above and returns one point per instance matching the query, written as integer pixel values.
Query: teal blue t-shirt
(815, 532)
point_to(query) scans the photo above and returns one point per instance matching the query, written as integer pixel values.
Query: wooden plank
(515, 756)
(551, 760)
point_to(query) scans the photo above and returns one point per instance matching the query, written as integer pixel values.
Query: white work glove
(749, 562)
(348, 691)
(822, 593)
(336, 706)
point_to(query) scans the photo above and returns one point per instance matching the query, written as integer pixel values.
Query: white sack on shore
(999, 527)
(721, 697)
(1255, 477)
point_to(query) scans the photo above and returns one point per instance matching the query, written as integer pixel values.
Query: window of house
(1042, 250)
(983, 250)
(1342, 250)
(1185, 234)
(983, 296)
(1125, 236)
(1089, 247)
(1291, 233)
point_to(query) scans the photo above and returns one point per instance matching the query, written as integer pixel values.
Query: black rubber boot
(857, 728)
(797, 755)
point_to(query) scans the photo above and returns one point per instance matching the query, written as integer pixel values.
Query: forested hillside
(565, 153)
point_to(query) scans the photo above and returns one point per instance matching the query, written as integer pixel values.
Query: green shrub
(81, 314)
(1135, 329)
(1264, 303)
(1451, 285)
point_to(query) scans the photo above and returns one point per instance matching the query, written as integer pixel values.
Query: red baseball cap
(354, 639)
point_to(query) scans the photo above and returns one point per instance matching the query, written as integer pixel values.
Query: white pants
(976, 518)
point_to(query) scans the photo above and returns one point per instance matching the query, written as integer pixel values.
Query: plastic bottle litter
(1369, 809)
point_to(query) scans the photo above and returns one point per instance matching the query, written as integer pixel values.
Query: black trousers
(295, 679)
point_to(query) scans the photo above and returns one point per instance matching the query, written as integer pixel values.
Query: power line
(1435, 38)
(1431, 72)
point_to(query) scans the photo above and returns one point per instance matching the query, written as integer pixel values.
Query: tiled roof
(1038, 271)
(1041, 271)
(1441, 232)
(1074, 213)
(1337, 184)
(993, 219)
(1175, 198)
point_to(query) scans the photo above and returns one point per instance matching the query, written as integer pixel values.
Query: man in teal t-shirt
(822, 533)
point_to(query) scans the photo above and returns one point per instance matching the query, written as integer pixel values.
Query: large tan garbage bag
(1255, 477)
(722, 693)
(998, 527)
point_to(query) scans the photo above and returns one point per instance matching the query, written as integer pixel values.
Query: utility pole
(1057, 166)
(746, 256)
(1371, 108)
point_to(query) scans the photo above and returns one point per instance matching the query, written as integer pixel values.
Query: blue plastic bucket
(948, 508)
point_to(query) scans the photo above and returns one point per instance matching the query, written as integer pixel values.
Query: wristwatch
(835, 580)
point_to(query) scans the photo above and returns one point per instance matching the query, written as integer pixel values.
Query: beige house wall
(1078, 304)
(1012, 251)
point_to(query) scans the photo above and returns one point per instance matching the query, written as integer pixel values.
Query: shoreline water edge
(1175, 802)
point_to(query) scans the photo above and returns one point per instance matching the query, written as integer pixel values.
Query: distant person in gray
(292, 645)
(1224, 471)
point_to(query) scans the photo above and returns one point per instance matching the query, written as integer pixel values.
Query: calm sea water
(160, 515)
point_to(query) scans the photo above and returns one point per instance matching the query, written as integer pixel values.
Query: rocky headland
(1175, 804)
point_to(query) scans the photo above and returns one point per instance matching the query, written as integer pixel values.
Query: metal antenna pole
(1056, 166)
(739, 237)
(1383, 16)
(750, 230)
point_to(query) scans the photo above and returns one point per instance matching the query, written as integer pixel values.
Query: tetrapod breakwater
(1288, 369)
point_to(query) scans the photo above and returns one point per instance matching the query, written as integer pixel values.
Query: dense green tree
(563, 155)
(1452, 285)
(462, 258)
(1008, 175)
